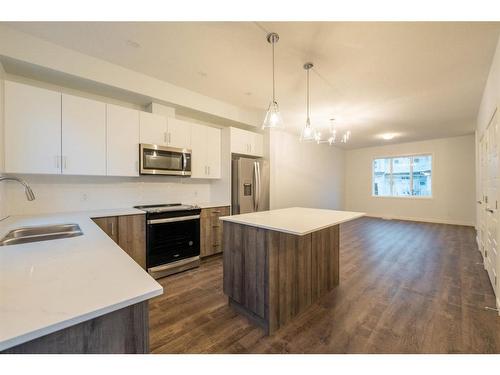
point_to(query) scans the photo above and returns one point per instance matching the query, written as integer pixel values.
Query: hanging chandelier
(308, 134)
(332, 135)
(273, 119)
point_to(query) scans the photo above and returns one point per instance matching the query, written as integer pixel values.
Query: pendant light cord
(307, 96)
(274, 84)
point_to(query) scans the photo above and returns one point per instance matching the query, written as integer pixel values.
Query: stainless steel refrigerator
(249, 185)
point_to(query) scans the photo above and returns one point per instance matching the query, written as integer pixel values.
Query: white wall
(3, 195)
(305, 174)
(491, 94)
(453, 186)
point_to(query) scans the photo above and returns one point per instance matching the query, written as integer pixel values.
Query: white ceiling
(417, 80)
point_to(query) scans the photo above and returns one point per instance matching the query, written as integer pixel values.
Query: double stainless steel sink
(40, 233)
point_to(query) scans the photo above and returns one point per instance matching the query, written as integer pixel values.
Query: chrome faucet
(27, 190)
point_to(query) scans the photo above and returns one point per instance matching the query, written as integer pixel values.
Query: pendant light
(308, 134)
(273, 118)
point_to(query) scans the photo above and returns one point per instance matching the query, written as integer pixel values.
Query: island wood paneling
(124, 331)
(325, 260)
(273, 276)
(244, 276)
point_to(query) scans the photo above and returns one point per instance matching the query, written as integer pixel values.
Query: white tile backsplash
(75, 193)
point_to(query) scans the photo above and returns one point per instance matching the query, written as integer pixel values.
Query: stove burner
(150, 208)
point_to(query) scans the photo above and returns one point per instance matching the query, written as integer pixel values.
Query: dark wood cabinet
(109, 225)
(211, 230)
(129, 232)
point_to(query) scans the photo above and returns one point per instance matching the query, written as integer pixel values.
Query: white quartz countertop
(212, 204)
(50, 285)
(294, 220)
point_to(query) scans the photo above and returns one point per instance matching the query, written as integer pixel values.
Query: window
(403, 176)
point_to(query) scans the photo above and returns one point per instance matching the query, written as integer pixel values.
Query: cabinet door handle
(65, 162)
(112, 226)
(489, 210)
(165, 137)
(208, 170)
(169, 137)
(58, 162)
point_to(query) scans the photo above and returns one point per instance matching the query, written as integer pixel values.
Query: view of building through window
(403, 176)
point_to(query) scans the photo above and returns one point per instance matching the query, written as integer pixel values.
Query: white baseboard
(425, 220)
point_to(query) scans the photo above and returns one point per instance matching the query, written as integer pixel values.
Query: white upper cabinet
(213, 142)
(122, 134)
(206, 152)
(32, 129)
(153, 129)
(83, 136)
(246, 143)
(163, 131)
(178, 133)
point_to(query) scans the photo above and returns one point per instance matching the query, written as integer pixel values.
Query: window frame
(431, 154)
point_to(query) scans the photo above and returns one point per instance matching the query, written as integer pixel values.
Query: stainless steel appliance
(162, 160)
(249, 185)
(172, 238)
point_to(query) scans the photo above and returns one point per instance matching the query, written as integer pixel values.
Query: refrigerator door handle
(254, 183)
(256, 170)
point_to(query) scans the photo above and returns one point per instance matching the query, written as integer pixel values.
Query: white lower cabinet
(83, 136)
(32, 129)
(122, 135)
(206, 152)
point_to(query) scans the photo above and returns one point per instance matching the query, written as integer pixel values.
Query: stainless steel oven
(162, 160)
(172, 238)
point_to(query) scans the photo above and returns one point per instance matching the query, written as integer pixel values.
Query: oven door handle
(173, 219)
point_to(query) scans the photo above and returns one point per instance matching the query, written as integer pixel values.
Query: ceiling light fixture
(308, 133)
(388, 136)
(133, 43)
(273, 118)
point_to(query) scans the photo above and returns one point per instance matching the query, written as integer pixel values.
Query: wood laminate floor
(405, 287)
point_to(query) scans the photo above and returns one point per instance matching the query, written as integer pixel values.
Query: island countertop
(294, 220)
(51, 285)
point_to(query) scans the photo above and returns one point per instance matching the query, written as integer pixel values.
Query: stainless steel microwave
(162, 160)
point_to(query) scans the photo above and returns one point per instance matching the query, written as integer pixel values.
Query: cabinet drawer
(211, 230)
(218, 211)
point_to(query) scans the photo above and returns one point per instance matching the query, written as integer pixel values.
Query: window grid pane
(402, 176)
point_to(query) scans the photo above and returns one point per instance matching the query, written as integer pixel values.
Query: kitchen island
(277, 263)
